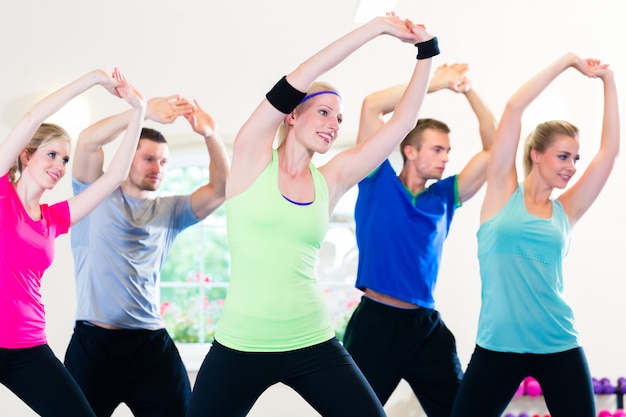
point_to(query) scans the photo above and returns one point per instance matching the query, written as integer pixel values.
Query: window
(194, 279)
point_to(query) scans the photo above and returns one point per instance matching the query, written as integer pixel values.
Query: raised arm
(84, 202)
(474, 174)
(350, 166)
(502, 173)
(89, 155)
(374, 109)
(208, 197)
(21, 134)
(380, 103)
(581, 195)
(252, 148)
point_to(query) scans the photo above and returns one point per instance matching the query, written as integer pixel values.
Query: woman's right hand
(589, 66)
(419, 31)
(107, 81)
(126, 91)
(399, 28)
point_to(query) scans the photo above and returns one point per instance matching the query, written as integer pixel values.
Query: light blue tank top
(523, 308)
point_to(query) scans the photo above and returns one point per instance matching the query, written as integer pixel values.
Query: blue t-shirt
(400, 236)
(523, 308)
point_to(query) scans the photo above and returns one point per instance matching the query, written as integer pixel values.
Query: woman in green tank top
(274, 327)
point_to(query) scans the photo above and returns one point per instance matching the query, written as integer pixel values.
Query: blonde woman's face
(317, 125)
(48, 164)
(557, 165)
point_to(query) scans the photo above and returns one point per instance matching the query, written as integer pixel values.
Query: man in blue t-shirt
(120, 350)
(395, 333)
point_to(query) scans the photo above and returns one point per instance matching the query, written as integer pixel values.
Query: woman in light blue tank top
(274, 326)
(526, 328)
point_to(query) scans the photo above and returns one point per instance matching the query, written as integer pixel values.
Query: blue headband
(308, 96)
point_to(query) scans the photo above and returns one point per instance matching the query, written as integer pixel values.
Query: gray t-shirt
(119, 249)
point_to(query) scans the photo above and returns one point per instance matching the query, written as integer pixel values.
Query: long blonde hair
(46, 133)
(543, 136)
(314, 88)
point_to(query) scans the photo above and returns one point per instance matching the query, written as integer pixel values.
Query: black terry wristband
(427, 49)
(284, 97)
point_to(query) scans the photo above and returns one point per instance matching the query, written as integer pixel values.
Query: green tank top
(274, 303)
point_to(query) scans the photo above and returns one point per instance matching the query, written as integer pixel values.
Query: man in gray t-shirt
(120, 350)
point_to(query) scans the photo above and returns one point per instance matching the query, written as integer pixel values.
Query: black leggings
(492, 378)
(39, 379)
(229, 381)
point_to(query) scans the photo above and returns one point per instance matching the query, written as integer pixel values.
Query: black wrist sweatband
(427, 49)
(284, 97)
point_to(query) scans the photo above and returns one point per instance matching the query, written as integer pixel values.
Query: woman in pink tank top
(33, 159)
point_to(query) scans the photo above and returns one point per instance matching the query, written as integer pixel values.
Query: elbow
(488, 136)
(32, 120)
(374, 106)
(217, 188)
(611, 145)
(239, 145)
(217, 181)
(220, 191)
(513, 111)
(514, 106)
(616, 152)
(403, 122)
(368, 106)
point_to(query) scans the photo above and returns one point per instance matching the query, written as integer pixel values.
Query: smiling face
(557, 164)
(551, 152)
(44, 158)
(316, 122)
(47, 165)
